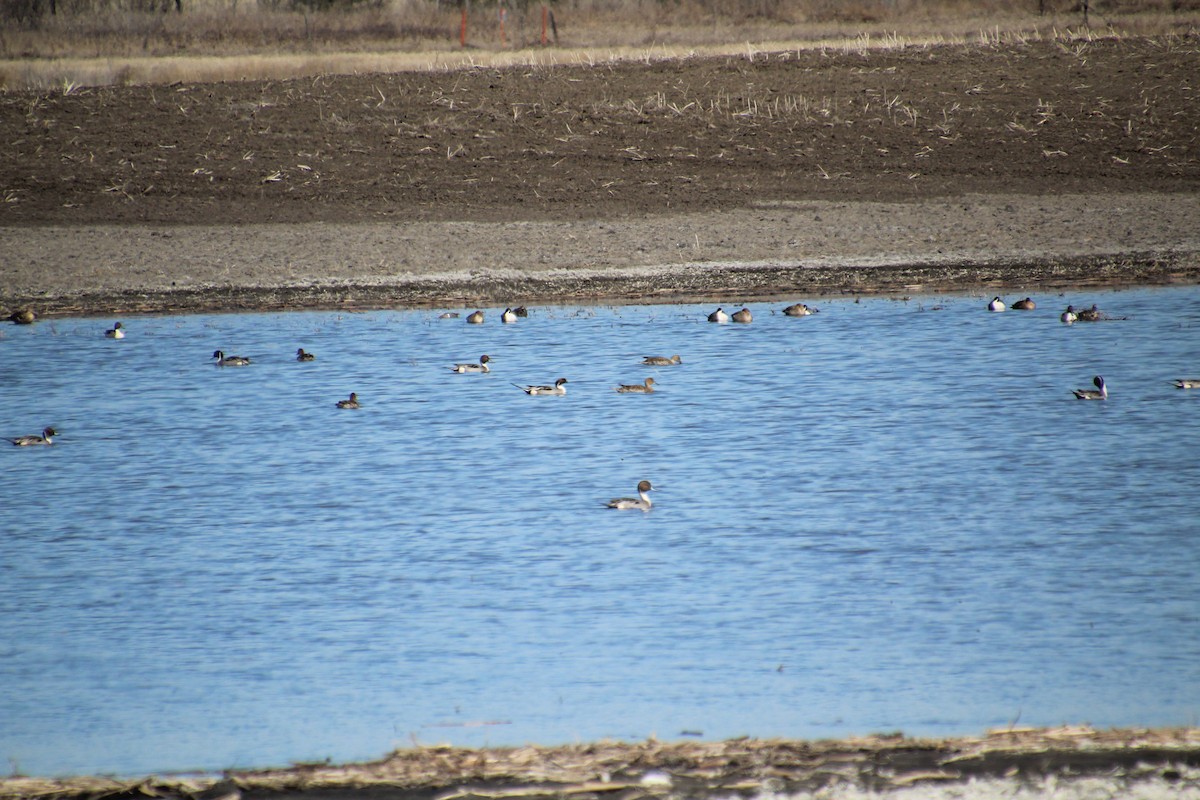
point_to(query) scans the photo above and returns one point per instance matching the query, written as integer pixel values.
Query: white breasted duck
(661, 361)
(996, 305)
(509, 316)
(559, 387)
(303, 356)
(1069, 315)
(1187, 383)
(1099, 393)
(115, 332)
(719, 316)
(641, 502)
(482, 366)
(33, 440)
(637, 388)
(351, 403)
(229, 361)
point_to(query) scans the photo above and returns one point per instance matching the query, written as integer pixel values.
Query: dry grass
(215, 41)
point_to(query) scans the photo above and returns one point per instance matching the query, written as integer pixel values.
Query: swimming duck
(996, 305)
(1187, 383)
(303, 356)
(448, 315)
(1069, 315)
(718, 316)
(34, 440)
(508, 316)
(559, 387)
(475, 318)
(351, 403)
(799, 310)
(641, 503)
(637, 388)
(744, 316)
(1024, 305)
(229, 361)
(482, 366)
(1099, 393)
(1092, 314)
(521, 311)
(661, 361)
(115, 332)
(23, 317)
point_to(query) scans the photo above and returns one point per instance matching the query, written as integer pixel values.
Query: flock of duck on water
(510, 315)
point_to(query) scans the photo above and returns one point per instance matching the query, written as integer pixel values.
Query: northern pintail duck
(637, 388)
(719, 316)
(229, 361)
(23, 317)
(1099, 393)
(521, 311)
(475, 318)
(508, 316)
(996, 305)
(482, 366)
(303, 356)
(448, 315)
(1069, 315)
(661, 361)
(115, 332)
(799, 310)
(33, 439)
(351, 403)
(1092, 314)
(559, 387)
(1187, 383)
(1024, 305)
(641, 502)
(744, 316)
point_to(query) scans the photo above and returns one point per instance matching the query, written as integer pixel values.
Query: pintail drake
(1187, 383)
(719, 316)
(229, 361)
(1069, 315)
(303, 356)
(508, 316)
(33, 440)
(115, 332)
(1099, 393)
(641, 502)
(482, 366)
(637, 388)
(559, 387)
(996, 305)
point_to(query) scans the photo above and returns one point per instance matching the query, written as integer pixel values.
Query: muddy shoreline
(1062, 762)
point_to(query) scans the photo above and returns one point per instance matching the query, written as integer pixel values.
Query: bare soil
(1033, 166)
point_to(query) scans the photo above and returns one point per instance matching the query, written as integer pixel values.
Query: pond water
(891, 515)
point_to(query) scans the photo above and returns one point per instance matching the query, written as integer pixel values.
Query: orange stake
(543, 26)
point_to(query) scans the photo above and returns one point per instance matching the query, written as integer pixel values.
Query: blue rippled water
(890, 515)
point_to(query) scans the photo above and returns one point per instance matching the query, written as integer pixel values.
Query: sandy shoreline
(1004, 242)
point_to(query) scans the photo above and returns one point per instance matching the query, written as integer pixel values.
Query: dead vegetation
(653, 769)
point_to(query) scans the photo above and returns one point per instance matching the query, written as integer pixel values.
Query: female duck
(719, 316)
(799, 310)
(34, 440)
(351, 403)
(482, 366)
(229, 361)
(559, 387)
(661, 361)
(744, 316)
(641, 503)
(1099, 393)
(475, 318)
(1093, 314)
(115, 332)
(996, 305)
(637, 388)
(1024, 305)
(303, 356)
